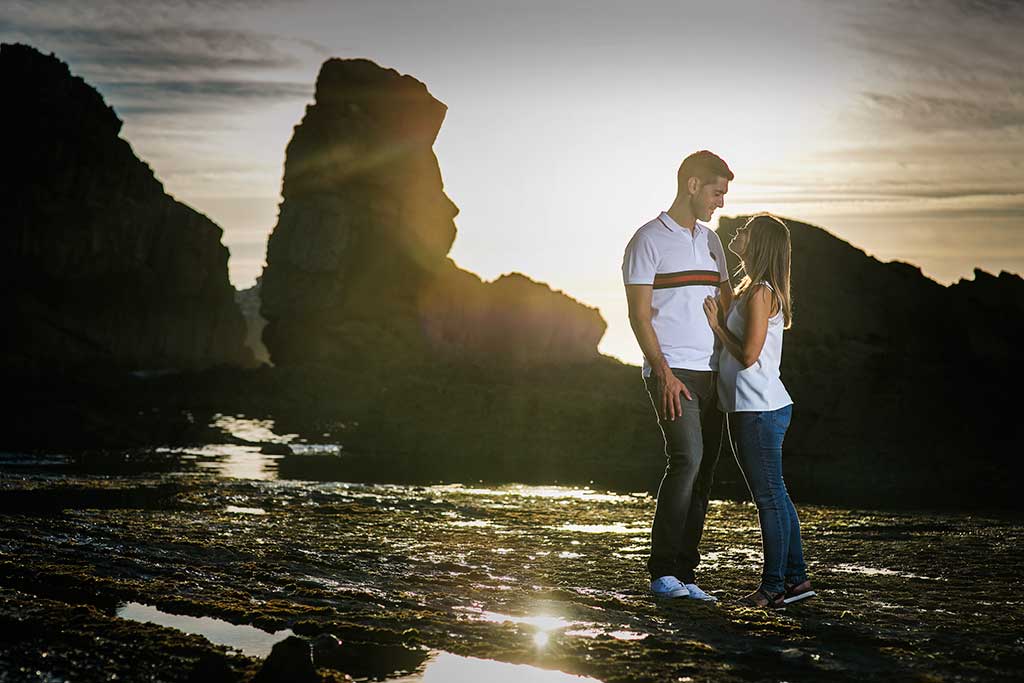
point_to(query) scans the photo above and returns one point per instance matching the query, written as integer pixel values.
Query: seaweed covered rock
(356, 265)
(100, 267)
(290, 661)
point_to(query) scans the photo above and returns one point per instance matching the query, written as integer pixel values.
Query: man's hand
(711, 311)
(671, 387)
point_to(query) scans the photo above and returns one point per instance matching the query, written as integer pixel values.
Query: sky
(897, 126)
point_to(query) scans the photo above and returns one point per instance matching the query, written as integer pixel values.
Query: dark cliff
(899, 383)
(100, 267)
(357, 267)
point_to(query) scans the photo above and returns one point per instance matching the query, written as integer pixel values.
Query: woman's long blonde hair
(767, 259)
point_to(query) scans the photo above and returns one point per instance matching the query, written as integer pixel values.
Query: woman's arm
(759, 309)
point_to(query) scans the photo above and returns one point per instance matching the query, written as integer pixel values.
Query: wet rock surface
(550, 577)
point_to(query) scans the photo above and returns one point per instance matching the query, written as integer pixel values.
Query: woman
(759, 407)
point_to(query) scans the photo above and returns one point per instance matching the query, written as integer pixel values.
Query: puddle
(597, 633)
(250, 640)
(244, 511)
(617, 528)
(445, 667)
(316, 448)
(241, 427)
(29, 460)
(874, 571)
(232, 461)
(550, 492)
(542, 622)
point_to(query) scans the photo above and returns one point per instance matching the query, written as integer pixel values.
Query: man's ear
(693, 184)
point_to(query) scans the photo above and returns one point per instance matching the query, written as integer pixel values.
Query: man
(671, 264)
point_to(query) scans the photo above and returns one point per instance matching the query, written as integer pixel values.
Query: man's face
(710, 196)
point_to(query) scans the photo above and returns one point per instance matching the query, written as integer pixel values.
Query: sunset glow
(564, 129)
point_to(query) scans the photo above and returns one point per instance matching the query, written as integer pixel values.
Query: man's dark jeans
(692, 446)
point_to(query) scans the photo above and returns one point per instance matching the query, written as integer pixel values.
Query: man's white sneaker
(669, 587)
(697, 594)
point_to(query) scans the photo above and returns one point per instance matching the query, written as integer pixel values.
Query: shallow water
(473, 576)
(246, 639)
(445, 667)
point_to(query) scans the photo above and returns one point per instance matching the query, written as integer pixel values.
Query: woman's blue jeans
(758, 438)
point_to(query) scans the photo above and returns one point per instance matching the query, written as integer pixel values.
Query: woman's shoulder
(762, 295)
(761, 291)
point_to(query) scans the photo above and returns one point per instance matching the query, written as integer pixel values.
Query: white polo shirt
(684, 268)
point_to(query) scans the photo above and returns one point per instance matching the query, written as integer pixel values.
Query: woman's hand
(711, 311)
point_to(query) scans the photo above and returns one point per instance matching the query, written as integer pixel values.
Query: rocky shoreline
(550, 577)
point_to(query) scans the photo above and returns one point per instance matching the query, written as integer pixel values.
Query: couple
(680, 302)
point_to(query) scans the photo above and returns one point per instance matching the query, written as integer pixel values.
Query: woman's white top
(759, 387)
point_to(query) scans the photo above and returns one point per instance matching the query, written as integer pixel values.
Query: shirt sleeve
(715, 245)
(640, 262)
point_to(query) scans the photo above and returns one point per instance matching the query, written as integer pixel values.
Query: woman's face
(739, 241)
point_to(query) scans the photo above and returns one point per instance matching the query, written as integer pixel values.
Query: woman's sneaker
(668, 587)
(797, 592)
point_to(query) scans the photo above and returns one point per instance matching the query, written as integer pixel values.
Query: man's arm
(725, 295)
(639, 297)
(725, 298)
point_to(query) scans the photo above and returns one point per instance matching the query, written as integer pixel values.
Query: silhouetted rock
(901, 386)
(290, 661)
(248, 301)
(327, 651)
(356, 265)
(991, 309)
(212, 668)
(99, 266)
(512, 320)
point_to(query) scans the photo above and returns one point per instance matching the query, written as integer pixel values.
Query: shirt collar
(675, 227)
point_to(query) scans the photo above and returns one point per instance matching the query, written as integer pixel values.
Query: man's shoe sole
(672, 594)
(798, 598)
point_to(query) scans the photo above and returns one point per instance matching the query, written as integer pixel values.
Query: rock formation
(897, 379)
(248, 301)
(356, 265)
(100, 267)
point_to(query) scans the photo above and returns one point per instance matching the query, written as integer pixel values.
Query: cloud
(150, 97)
(131, 52)
(109, 40)
(152, 59)
(931, 113)
(943, 64)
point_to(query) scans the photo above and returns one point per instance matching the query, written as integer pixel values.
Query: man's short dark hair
(705, 165)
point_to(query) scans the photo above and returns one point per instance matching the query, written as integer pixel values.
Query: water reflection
(875, 571)
(235, 509)
(237, 462)
(597, 632)
(542, 622)
(250, 640)
(445, 667)
(241, 427)
(617, 528)
(552, 492)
